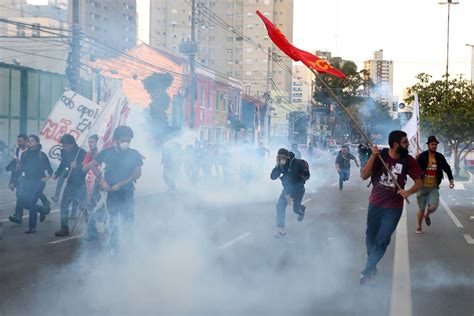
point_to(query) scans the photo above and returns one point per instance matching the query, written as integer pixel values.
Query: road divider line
(469, 239)
(451, 214)
(235, 240)
(306, 201)
(65, 239)
(400, 302)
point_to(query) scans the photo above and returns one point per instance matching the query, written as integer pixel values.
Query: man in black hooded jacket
(293, 175)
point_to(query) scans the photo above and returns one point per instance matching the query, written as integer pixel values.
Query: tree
(157, 86)
(354, 94)
(447, 111)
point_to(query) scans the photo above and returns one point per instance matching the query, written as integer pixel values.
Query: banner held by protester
(72, 114)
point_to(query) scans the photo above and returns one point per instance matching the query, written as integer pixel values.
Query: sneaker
(63, 232)
(364, 279)
(301, 216)
(15, 219)
(30, 231)
(280, 233)
(418, 230)
(428, 220)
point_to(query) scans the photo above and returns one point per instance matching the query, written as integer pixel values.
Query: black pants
(72, 195)
(19, 206)
(31, 193)
(120, 204)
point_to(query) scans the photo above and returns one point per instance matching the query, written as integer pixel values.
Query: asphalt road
(214, 253)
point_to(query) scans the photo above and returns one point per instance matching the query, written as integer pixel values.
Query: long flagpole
(356, 124)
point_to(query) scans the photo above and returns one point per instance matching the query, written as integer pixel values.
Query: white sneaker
(280, 233)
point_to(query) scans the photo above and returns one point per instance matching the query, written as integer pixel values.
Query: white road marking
(334, 184)
(235, 240)
(469, 239)
(362, 208)
(28, 216)
(306, 201)
(400, 302)
(65, 239)
(457, 203)
(451, 214)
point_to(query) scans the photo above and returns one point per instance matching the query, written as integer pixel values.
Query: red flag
(310, 60)
(319, 64)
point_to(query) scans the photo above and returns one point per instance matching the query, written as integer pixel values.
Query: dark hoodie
(76, 176)
(291, 174)
(35, 164)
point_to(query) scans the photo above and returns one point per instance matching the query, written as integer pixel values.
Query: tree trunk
(456, 159)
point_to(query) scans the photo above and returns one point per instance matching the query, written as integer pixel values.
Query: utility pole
(266, 119)
(74, 58)
(192, 65)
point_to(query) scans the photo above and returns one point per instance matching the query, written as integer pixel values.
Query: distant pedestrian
(294, 149)
(386, 200)
(343, 165)
(171, 160)
(72, 157)
(36, 170)
(432, 163)
(293, 175)
(122, 169)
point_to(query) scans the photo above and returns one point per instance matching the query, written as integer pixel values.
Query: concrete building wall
(381, 73)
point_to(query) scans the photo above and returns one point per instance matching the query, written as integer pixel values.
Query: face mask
(124, 146)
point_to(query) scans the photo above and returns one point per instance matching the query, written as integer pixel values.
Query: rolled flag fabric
(412, 128)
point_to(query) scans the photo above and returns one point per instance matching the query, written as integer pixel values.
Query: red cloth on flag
(310, 60)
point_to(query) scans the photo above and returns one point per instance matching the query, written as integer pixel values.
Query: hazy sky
(412, 33)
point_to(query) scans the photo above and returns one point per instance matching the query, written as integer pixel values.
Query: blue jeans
(381, 223)
(296, 194)
(343, 176)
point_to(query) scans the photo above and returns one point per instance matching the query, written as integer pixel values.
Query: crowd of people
(100, 184)
(86, 175)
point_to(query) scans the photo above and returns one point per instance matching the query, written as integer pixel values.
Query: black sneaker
(301, 215)
(428, 220)
(30, 231)
(15, 219)
(364, 279)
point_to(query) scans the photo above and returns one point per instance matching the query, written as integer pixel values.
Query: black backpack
(384, 155)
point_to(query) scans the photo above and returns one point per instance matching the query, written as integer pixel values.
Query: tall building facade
(301, 88)
(112, 23)
(380, 71)
(231, 39)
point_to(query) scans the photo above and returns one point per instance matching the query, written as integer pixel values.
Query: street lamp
(449, 3)
(472, 62)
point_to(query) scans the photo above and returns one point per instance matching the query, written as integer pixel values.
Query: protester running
(293, 174)
(36, 170)
(432, 163)
(343, 165)
(386, 200)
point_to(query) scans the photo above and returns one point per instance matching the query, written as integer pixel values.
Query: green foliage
(353, 92)
(447, 110)
(157, 86)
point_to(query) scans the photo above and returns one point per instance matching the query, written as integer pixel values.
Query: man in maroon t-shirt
(386, 200)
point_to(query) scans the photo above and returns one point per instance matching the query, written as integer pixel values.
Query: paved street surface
(215, 254)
